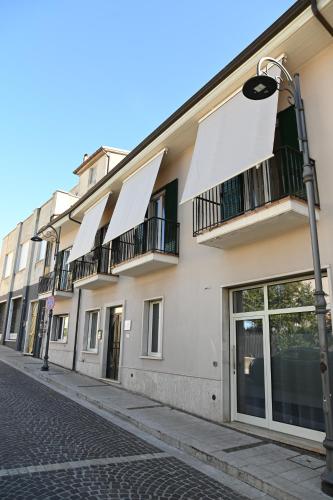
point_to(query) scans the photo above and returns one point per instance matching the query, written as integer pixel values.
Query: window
(23, 256)
(92, 176)
(60, 328)
(48, 254)
(152, 328)
(92, 317)
(15, 318)
(41, 250)
(8, 264)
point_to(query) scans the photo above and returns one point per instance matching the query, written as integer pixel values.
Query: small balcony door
(114, 342)
(156, 229)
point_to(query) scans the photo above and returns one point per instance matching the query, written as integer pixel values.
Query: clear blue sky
(76, 74)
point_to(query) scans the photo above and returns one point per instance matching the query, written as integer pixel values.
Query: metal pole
(45, 366)
(320, 301)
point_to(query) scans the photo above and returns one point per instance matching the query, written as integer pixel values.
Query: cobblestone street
(53, 448)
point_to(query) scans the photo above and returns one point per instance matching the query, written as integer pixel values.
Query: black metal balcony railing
(98, 261)
(153, 235)
(63, 281)
(272, 180)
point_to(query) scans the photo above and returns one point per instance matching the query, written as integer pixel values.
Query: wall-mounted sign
(127, 325)
(50, 302)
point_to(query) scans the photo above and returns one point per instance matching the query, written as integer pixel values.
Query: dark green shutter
(171, 200)
(232, 197)
(288, 128)
(171, 209)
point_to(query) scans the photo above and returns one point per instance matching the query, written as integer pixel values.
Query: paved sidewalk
(280, 471)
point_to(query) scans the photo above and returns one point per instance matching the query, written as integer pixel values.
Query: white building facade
(206, 305)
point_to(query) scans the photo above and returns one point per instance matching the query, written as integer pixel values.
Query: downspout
(76, 330)
(320, 17)
(74, 220)
(21, 338)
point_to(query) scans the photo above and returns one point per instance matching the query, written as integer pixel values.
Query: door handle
(234, 358)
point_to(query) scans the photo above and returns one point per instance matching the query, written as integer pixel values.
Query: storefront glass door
(275, 348)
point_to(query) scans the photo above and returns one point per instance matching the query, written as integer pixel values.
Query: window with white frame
(42, 246)
(59, 328)
(23, 256)
(92, 325)
(92, 176)
(152, 328)
(7, 268)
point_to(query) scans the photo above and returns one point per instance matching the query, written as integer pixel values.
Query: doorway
(275, 357)
(114, 342)
(32, 326)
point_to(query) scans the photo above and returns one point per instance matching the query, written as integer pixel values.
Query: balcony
(63, 284)
(94, 270)
(261, 202)
(151, 246)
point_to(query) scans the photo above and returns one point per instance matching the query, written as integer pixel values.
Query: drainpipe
(76, 330)
(320, 17)
(21, 337)
(11, 285)
(74, 220)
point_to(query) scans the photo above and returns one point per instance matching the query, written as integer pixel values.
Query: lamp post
(260, 87)
(51, 234)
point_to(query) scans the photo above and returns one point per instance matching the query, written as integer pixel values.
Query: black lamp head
(36, 238)
(259, 87)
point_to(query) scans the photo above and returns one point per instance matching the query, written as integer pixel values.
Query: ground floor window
(15, 321)
(60, 328)
(92, 326)
(2, 317)
(152, 328)
(275, 349)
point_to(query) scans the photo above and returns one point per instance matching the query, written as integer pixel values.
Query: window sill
(58, 341)
(89, 352)
(156, 358)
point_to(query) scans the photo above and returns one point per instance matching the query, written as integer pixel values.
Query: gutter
(283, 21)
(320, 17)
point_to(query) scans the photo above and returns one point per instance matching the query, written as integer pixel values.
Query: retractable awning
(85, 238)
(134, 197)
(233, 138)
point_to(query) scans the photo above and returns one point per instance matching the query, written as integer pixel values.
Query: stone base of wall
(199, 396)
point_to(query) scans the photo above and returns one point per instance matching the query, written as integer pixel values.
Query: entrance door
(275, 357)
(115, 325)
(32, 327)
(249, 369)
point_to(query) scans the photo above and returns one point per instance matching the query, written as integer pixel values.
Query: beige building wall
(195, 362)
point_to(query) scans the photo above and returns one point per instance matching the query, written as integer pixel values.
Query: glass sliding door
(275, 348)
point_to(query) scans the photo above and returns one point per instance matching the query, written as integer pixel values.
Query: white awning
(230, 140)
(133, 199)
(85, 238)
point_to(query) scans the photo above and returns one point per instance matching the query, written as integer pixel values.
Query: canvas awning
(85, 238)
(235, 137)
(134, 197)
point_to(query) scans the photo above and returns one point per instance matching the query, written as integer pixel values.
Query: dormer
(96, 166)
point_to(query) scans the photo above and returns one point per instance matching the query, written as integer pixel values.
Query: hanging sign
(50, 301)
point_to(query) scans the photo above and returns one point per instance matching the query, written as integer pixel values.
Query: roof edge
(286, 18)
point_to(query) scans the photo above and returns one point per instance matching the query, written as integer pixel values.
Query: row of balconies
(152, 245)
(262, 201)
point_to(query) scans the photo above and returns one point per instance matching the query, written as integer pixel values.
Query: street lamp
(52, 235)
(260, 87)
